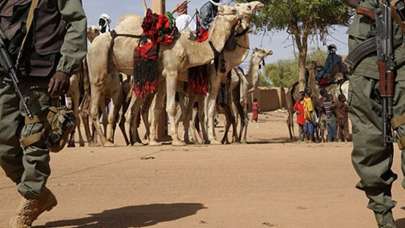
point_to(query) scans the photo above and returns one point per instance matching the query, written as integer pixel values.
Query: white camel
(233, 57)
(78, 82)
(242, 85)
(108, 56)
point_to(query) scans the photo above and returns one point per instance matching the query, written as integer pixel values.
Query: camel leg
(126, 97)
(195, 127)
(114, 106)
(192, 117)
(97, 102)
(290, 125)
(228, 121)
(76, 111)
(134, 134)
(187, 116)
(122, 122)
(171, 85)
(128, 121)
(245, 118)
(182, 117)
(201, 117)
(145, 115)
(156, 109)
(211, 105)
(243, 126)
(84, 114)
(134, 121)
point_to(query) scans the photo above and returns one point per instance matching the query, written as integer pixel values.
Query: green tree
(302, 19)
(285, 72)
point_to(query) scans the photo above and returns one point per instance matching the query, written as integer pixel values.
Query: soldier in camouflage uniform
(371, 160)
(56, 45)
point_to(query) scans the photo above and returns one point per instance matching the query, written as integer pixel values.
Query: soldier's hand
(59, 84)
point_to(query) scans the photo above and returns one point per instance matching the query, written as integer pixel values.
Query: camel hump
(130, 24)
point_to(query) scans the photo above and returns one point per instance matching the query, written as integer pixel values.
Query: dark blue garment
(332, 60)
(331, 127)
(207, 14)
(309, 129)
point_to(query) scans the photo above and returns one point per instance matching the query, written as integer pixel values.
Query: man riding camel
(325, 76)
(208, 12)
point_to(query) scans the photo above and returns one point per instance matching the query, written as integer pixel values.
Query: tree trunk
(158, 6)
(302, 59)
(301, 39)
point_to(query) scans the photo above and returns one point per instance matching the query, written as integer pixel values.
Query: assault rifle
(7, 64)
(386, 63)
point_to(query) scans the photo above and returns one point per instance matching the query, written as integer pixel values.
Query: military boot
(29, 210)
(385, 220)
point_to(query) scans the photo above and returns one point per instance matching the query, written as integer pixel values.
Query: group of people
(324, 119)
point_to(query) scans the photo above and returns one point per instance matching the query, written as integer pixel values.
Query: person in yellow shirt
(309, 126)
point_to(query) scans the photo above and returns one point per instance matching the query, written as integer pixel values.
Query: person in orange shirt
(299, 109)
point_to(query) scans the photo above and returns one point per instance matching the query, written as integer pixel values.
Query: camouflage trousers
(28, 167)
(371, 160)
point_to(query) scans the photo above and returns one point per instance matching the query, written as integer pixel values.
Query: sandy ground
(269, 183)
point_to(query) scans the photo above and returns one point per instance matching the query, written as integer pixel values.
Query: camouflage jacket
(363, 28)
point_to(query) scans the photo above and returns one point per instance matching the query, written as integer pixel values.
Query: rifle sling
(28, 26)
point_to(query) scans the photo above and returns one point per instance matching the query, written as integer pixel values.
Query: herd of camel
(102, 96)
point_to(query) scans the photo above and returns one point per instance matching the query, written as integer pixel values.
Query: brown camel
(242, 85)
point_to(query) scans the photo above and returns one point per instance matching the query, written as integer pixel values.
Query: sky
(279, 42)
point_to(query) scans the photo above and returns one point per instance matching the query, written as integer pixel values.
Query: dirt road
(270, 183)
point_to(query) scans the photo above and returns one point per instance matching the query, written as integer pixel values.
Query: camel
(242, 85)
(233, 57)
(79, 81)
(108, 56)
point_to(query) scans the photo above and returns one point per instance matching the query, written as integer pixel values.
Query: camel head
(225, 21)
(257, 60)
(92, 32)
(312, 66)
(260, 54)
(247, 10)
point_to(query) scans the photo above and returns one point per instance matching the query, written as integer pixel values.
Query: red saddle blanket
(157, 30)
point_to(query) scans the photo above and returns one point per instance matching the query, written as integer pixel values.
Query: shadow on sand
(132, 216)
(273, 141)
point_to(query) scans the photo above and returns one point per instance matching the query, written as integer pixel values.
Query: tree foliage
(302, 19)
(285, 72)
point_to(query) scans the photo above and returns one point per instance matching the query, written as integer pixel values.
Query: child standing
(329, 107)
(342, 114)
(299, 109)
(255, 110)
(309, 113)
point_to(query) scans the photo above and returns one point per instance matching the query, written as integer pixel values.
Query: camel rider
(104, 23)
(331, 61)
(371, 158)
(208, 12)
(183, 20)
(53, 49)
